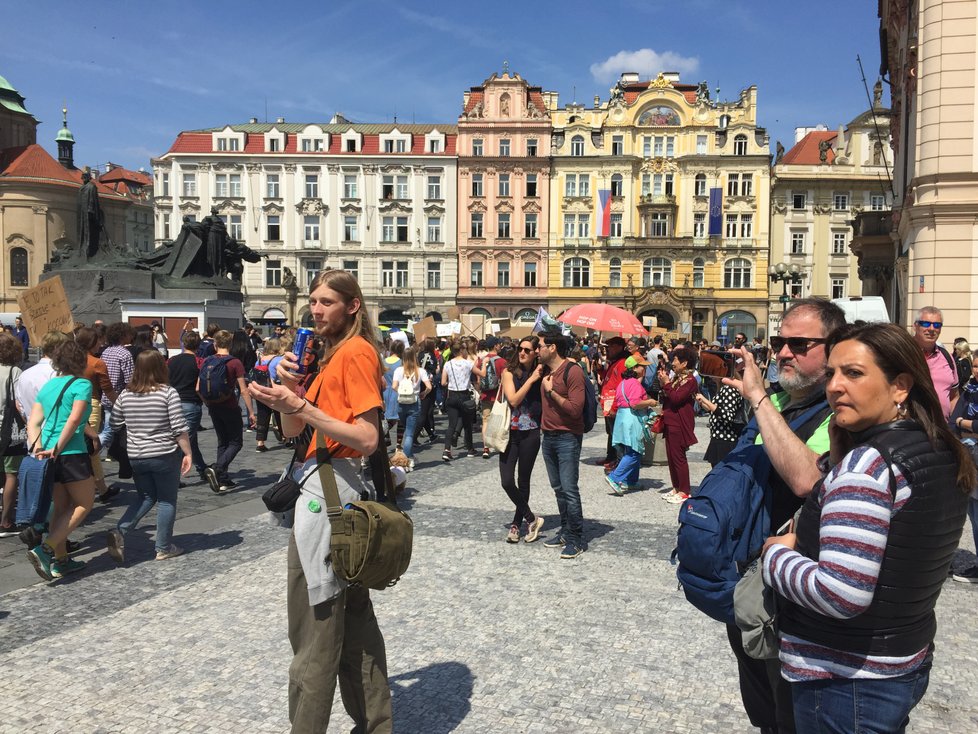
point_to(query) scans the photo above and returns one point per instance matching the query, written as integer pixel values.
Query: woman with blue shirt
(59, 424)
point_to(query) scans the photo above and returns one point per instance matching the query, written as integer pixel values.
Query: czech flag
(604, 212)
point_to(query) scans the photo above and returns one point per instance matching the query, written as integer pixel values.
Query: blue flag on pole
(716, 212)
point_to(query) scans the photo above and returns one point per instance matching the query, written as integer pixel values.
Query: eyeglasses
(525, 350)
(797, 344)
(930, 324)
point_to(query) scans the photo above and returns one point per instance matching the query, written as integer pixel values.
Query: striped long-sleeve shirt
(153, 421)
(857, 506)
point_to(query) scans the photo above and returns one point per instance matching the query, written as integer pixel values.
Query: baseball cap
(615, 340)
(635, 361)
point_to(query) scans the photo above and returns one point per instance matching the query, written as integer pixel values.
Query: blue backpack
(215, 384)
(590, 411)
(723, 527)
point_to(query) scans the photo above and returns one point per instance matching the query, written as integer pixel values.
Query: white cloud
(645, 61)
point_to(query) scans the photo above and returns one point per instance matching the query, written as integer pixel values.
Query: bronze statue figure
(89, 217)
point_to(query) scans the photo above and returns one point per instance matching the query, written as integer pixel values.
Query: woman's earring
(901, 411)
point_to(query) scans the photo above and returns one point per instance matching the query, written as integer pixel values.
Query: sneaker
(571, 550)
(669, 495)
(108, 494)
(677, 499)
(116, 546)
(410, 466)
(615, 486)
(555, 541)
(72, 547)
(446, 455)
(631, 487)
(533, 530)
(261, 448)
(211, 476)
(471, 454)
(514, 534)
(41, 560)
(968, 576)
(10, 531)
(485, 453)
(62, 567)
(227, 485)
(172, 552)
(30, 536)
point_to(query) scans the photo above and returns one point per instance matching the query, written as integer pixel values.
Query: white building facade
(378, 200)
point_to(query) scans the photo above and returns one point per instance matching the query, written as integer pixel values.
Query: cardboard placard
(473, 325)
(45, 308)
(445, 330)
(518, 331)
(452, 313)
(424, 329)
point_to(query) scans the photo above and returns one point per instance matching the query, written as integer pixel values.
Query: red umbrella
(603, 317)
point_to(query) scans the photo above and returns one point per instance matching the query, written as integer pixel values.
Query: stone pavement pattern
(482, 636)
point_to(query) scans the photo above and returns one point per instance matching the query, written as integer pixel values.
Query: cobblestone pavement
(482, 636)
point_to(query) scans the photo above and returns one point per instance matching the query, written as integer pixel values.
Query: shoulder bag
(36, 476)
(370, 541)
(500, 420)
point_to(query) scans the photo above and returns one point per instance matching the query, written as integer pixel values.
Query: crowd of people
(883, 452)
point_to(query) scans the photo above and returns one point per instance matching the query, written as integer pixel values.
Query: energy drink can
(303, 349)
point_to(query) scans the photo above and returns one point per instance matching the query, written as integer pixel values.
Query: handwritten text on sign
(45, 308)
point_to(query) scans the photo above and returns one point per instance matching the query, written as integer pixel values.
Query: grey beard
(797, 382)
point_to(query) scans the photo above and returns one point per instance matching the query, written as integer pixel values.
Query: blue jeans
(107, 432)
(861, 706)
(192, 413)
(407, 415)
(562, 457)
(157, 480)
(628, 466)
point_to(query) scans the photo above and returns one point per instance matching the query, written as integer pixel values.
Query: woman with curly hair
(678, 392)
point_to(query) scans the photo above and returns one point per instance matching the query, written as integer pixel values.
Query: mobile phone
(717, 364)
(786, 528)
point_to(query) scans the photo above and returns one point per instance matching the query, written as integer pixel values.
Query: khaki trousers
(336, 639)
(95, 421)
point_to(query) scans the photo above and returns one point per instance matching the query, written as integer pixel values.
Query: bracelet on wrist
(758, 403)
(297, 410)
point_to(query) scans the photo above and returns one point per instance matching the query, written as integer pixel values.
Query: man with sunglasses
(801, 359)
(943, 372)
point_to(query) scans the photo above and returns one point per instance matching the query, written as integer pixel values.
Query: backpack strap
(950, 364)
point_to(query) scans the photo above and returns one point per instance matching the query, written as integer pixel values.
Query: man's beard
(796, 381)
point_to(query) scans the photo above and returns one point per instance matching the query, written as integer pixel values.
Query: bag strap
(57, 409)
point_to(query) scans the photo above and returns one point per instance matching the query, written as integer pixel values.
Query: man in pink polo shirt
(926, 332)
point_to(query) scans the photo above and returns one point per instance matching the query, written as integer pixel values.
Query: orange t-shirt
(347, 387)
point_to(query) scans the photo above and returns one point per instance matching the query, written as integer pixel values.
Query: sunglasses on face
(797, 344)
(527, 350)
(930, 324)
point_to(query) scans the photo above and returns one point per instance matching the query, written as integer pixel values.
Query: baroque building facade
(930, 63)
(659, 205)
(503, 198)
(829, 182)
(39, 199)
(378, 200)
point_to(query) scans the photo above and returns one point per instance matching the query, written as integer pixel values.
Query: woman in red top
(678, 396)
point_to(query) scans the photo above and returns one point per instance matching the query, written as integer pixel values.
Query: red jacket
(677, 410)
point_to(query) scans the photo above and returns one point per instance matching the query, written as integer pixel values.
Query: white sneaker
(410, 464)
(678, 498)
(669, 495)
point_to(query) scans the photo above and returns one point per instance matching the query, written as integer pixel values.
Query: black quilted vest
(923, 536)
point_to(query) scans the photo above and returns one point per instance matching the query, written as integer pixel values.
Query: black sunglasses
(797, 344)
(930, 324)
(531, 350)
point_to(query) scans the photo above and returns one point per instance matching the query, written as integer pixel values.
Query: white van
(863, 308)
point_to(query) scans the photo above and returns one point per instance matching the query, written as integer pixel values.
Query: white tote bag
(497, 428)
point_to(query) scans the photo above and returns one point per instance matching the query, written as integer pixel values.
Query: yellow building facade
(659, 204)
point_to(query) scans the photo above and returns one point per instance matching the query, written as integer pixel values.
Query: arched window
(617, 185)
(577, 145)
(740, 145)
(526, 315)
(736, 273)
(480, 312)
(699, 273)
(577, 272)
(699, 185)
(656, 271)
(614, 272)
(18, 266)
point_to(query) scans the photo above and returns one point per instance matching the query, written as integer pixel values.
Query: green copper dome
(64, 134)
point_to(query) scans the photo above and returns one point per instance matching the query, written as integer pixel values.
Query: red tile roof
(197, 142)
(124, 174)
(805, 152)
(33, 163)
(476, 95)
(634, 89)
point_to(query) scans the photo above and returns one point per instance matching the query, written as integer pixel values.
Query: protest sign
(45, 308)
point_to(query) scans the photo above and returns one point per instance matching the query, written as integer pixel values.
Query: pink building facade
(504, 198)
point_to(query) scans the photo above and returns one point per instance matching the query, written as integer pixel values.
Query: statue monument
(204, 264)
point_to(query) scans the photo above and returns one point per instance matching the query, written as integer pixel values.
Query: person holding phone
(678, 390)
(729, 414)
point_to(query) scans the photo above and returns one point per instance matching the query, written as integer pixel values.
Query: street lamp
(786, 274)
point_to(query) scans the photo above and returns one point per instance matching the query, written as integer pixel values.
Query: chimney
(253, 120)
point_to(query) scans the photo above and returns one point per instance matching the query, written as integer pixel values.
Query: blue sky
(134, 74)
